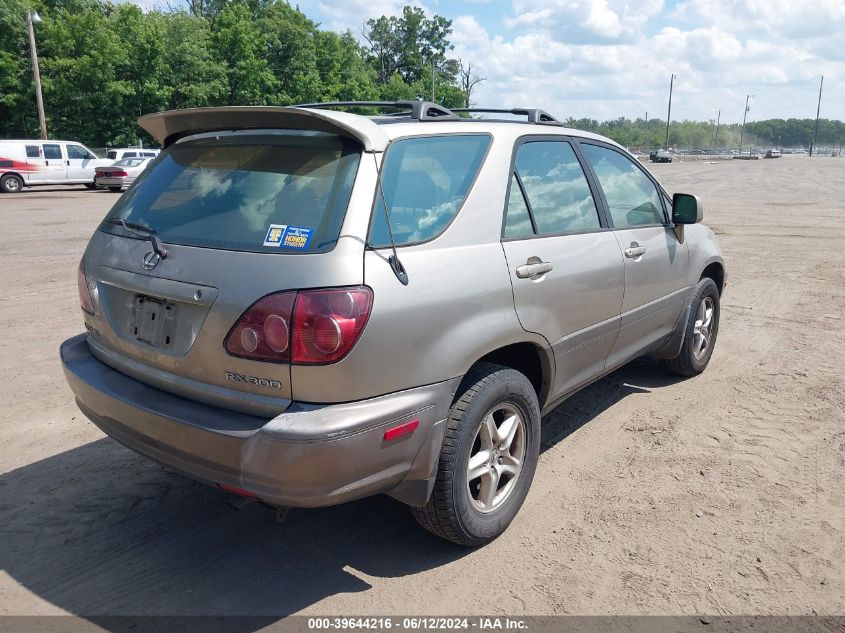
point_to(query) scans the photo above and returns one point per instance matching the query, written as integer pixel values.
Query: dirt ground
(723, 494)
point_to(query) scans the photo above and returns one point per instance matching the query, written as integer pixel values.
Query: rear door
(35, 168)
(655, 261)
(565, 265)
(55, 168)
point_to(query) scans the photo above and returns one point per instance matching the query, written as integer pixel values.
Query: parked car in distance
(29, 163)
(119, 153)
(661, 156)
(120, 174)
(307, 306)
(772, 153)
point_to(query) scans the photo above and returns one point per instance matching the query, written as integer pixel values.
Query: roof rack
(419, 110)
(534, 115)
(428, 111)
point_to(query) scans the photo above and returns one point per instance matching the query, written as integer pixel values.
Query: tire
(11, 183)
(693, 359)
(90, 185)
(454, 512)
(116, 189)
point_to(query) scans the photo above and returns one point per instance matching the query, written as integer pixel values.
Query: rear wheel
(488, 458)
(116, 189)
(90, 185)
(702, 329)
(11, 183)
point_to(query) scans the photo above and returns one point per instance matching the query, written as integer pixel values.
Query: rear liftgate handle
(533, 268)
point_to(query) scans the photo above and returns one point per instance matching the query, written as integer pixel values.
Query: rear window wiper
(142, 230)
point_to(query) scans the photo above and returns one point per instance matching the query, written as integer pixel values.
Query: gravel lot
(724, 494)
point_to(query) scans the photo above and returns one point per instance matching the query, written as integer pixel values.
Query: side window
(632, 197)
(558, 196)
(112, 154)
(33, 151)
(425, 181)
(77, 152)
(518, 220)
(52, 152)
(129, 155)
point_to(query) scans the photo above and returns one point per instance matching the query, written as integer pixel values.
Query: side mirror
(686, 209)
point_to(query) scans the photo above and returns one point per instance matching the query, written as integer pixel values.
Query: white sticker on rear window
(275, 234)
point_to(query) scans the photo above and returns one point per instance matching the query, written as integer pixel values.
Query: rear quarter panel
(457, 306)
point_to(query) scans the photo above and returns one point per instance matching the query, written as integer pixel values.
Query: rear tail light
(327, 323)
(311, 327)
(84, 291)
(119, 172)
(263, 331)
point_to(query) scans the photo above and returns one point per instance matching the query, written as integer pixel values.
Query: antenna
(393, 260)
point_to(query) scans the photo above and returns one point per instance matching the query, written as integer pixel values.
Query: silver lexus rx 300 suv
(308, 306)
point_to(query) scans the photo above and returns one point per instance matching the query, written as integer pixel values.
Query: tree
(408, 44)
(239, 44)
(469, 81)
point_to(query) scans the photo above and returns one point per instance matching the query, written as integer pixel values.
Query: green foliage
(702, 134)
(103, 65)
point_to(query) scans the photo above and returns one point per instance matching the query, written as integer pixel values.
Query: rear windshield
(275, 193)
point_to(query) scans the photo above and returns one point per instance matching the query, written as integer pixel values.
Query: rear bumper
(309, 455)
(109, 181)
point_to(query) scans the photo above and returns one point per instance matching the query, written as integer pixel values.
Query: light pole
(818, 111)
(669, 113)
(716, 136)
(742, 131)
(32, 17)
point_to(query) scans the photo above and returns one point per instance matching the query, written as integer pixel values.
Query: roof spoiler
(169, 127)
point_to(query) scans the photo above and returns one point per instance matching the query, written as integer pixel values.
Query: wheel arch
(715, 270)
(14, 173)
(533, 360)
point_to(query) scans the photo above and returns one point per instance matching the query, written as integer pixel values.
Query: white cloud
(607, 58)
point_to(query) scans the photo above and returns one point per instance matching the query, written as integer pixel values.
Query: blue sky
(608, 58)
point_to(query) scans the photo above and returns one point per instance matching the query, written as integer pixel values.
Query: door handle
(534, 267)
(634, 251)
(68, 162)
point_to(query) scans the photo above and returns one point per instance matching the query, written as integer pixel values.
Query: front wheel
(489, 455)
(702, 327)
(90, 185)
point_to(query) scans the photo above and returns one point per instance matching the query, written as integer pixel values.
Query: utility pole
(716, 136)
(669, 113)
(818, 110)
(432, 80)
(646, 133)
(742, 131)
(33, 17)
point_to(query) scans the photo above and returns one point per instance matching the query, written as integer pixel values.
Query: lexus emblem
(151, 260)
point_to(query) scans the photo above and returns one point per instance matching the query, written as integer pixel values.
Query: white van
(30, 163)
(120, 153)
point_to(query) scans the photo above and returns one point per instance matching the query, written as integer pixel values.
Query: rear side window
(631, 196)
(269, 194)
(425, 182)
(112, 154)
(32, 151)
(555, 189)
